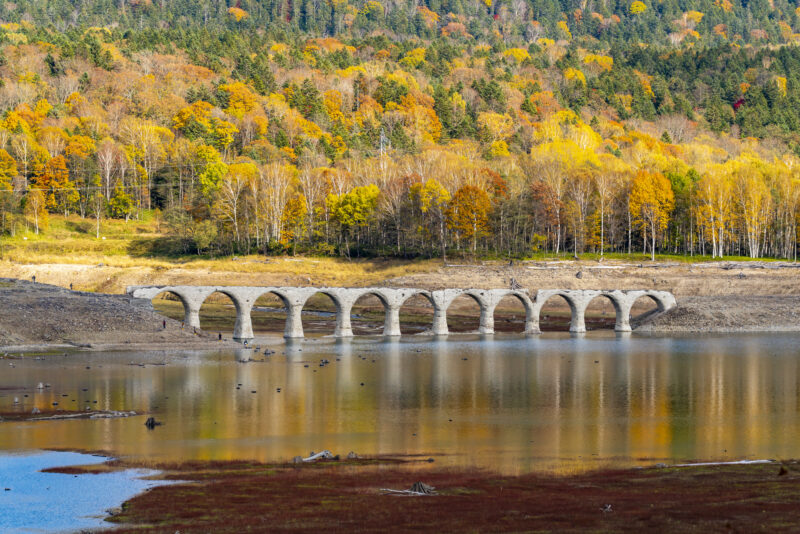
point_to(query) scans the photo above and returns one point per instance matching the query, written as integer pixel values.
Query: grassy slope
(72, 240)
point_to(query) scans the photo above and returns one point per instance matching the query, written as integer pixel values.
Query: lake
(509, 403)
(36, 501)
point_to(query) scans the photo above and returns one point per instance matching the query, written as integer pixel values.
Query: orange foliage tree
(468, 213)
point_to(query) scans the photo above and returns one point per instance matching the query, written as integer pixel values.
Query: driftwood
(81, 415)
(324, 455)
(417, 489)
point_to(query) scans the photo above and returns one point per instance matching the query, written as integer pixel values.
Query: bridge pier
(192, 299)
(191, 315)
(392, 300)
(441, 300)
(578, 323)
(344, 308)
(391, 324)
(294, 321)
(243, 300)
(294, 299)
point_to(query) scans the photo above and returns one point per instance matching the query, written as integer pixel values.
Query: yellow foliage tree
(637, 7)
(519, 54)
(414, 58)
(240, 99)
(497, 126)
(35, 207)
(753, 199)
(293, 220)
(574, 74)
(238, 14)
(651, 203)
(714, 206)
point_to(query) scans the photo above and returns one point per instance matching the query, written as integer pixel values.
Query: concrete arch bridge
(295, 298)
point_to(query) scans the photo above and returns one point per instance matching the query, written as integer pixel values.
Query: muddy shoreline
(351, 495)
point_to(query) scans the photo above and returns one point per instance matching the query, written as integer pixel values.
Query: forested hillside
(476, 128)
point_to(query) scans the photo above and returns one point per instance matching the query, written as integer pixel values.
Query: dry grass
(68, 253)
(71, 241)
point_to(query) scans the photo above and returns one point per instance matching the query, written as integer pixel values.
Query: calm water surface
(32, 501)
(509, 403)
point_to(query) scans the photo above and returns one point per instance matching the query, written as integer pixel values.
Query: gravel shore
(736, 313)
(41, 317)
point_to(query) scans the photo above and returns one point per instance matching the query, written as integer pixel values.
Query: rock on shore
(41, 314)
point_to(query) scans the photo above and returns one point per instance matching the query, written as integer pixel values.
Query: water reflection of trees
(512, 404)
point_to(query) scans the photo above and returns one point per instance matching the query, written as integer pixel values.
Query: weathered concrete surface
(295, 298)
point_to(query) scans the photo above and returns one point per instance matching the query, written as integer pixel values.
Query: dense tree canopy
(483, 127)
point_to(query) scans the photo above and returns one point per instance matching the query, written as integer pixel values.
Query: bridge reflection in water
(343, 298)
(513, 404)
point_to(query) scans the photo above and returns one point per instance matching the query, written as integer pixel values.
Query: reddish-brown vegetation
(245, 497)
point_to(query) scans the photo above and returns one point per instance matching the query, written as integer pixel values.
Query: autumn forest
(477, 128)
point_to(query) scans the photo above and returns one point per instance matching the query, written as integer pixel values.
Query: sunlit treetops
(537, 133)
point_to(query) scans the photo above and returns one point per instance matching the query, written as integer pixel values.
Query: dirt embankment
(700, 279)
(683, 280)
(40, 314)
(712, 297)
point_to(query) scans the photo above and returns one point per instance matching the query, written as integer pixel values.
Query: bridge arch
(417, 293)
(181, 298)
(340, 310)
(514, 295)
(191, 297)
(468, 295)
(663, 301)
(575, 304)
(621, 311)
(392, 326)
(231, 296)
(365, 294)
(275, 292)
